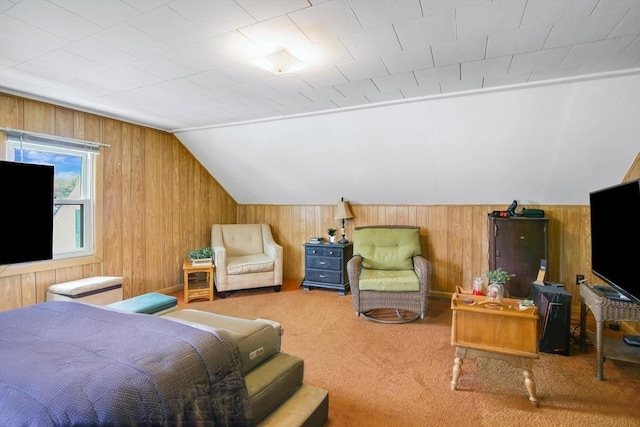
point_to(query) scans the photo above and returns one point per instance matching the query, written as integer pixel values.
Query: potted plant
(332, 234)
(202, 256)
(497, 279)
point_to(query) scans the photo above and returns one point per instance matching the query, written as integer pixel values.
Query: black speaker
(554, 311)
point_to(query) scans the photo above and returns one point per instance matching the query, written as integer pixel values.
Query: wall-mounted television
(26, 212)
(615, 239)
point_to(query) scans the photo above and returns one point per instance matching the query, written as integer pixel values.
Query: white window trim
(88, 151)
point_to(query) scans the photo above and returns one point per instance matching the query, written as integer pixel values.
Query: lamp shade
(343, 211)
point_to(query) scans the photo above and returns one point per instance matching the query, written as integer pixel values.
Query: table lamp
(342, 213)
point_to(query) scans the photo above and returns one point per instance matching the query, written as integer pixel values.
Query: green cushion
(150, 303)
(387, 248)
(388, 280)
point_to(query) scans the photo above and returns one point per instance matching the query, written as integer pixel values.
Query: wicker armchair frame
(365, 302)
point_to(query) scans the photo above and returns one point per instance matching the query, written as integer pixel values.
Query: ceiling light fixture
(280, 62)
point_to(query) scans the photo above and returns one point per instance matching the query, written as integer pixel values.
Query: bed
(67, 363)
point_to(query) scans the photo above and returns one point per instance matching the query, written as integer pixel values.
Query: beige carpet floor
(399, 375)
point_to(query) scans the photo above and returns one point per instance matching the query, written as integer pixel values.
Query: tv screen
(26, 216)
(615, 237)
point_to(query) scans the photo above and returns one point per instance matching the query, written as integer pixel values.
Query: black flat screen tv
(615, 239)
(26, 212)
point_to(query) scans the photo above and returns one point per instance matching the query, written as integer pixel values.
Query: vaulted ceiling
(179, 64)
(404, 74)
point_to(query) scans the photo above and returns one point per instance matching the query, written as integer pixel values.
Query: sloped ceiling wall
(550, 144)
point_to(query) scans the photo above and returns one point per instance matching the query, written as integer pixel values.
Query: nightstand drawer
(325, 263)
(319, 251)
(323, 276)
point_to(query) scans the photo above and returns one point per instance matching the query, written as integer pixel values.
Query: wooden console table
(607, 309)
(191, 293)
(503, 331)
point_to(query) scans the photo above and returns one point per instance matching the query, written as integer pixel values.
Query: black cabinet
(326, 266)
(517, 245)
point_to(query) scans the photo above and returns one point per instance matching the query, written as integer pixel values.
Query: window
(73, 162)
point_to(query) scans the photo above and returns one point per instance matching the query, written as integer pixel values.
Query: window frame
(87, 199)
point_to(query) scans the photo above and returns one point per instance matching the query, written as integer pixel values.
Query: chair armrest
(271, 248)
(274, 251)
(422, 268)
(219, 257)
(220, 261)
(354, 266)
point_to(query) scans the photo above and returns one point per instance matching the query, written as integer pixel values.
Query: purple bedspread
(66, 363)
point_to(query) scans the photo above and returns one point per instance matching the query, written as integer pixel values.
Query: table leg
(457, 368)
(461, 353)
(599, 350)
(210, 277)
(583, 325)
(186, 287)
(531, 386)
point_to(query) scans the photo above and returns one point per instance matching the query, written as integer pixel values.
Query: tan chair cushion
(242, 239)
(257, 263)
(389, 280)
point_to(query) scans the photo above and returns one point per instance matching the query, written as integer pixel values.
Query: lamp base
(344, 240)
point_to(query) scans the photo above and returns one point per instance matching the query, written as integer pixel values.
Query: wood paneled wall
(158, 203)
(454, 238)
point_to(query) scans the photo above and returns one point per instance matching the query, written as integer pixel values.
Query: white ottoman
(100, 290)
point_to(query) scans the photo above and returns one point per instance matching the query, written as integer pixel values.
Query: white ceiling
(184, 64)
(549, 144)
(402, 101)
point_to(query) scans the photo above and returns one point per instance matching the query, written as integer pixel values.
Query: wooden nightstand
(197, 292)
(326, 266)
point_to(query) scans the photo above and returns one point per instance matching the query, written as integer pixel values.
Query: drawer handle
(323, 262)
(323, 276)
(331, 252)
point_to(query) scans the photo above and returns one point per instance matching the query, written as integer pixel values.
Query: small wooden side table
(197, 292)
(497, 330)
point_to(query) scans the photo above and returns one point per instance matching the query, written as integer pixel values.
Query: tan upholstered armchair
(246, 257)
(387, 271)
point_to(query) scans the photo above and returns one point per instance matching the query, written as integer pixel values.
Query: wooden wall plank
(39, 117)
(44, 279)
(169, 252)
(112, 197)
(66, 274)
(64, 122)
(11, 112)
(10, 292)
(128, 139)
(174, 204)
(29, 290)
(153, 237)
(138, 208)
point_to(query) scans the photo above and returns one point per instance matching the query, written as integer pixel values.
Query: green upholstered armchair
(387, 271)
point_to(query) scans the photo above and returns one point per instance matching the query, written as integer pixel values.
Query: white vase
(332, 238)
